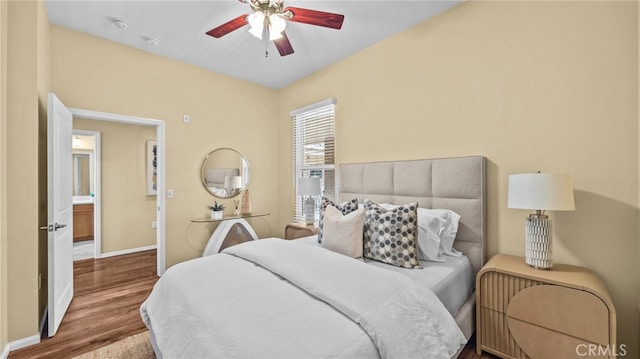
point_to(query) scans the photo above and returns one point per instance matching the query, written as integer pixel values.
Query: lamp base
(538, 241)
(309, 210)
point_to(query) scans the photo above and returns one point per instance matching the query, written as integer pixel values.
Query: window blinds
(313, 149)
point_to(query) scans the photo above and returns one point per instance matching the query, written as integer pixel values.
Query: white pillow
(442, 223)
(343, 233)
(429, 242)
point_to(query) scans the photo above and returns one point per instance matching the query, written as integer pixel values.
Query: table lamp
(232, 184)
(540, 192)
(310, 187)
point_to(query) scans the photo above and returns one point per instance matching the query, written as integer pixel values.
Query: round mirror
(225, 172)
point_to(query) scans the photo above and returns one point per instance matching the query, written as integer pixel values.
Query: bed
(274, 298)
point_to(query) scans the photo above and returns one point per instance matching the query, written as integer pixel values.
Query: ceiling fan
(268, 22)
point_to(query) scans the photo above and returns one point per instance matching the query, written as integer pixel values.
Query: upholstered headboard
(458, 184)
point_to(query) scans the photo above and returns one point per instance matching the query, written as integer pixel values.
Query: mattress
(451, 281)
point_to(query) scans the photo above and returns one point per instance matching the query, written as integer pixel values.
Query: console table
(224, 218)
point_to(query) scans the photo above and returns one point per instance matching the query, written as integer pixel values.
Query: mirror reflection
(225, 173)
(83, 167)
(81, 174)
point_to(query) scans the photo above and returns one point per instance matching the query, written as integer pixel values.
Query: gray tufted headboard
(458, 184)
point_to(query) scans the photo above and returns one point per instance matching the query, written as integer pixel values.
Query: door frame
(161, 172)
(97, 188)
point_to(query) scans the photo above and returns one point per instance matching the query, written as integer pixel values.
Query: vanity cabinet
(82, 222)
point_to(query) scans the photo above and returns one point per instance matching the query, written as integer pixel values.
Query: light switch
(169, 193)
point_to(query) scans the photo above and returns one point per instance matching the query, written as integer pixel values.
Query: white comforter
(283, 299)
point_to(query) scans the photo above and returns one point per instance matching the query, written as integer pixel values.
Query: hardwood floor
(105, 308)
(469, 351)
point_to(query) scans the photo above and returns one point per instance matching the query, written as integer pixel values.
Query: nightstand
(522, 312)
(299, 230)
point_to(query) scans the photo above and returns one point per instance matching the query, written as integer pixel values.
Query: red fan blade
(314, 17)
(227, 27)
(283, 45)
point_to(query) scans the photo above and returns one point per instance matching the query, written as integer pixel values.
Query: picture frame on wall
(152, 168)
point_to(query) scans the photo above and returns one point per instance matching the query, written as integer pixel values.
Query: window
(313, 149)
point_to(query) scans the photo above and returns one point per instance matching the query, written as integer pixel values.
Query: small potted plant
(216, 210)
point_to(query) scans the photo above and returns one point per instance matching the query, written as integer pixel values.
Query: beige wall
(127, 211)
(27, 85)
(99, 75)
(531, 86)
(4, 323)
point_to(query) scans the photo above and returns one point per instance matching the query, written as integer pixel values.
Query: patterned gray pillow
(392, 236)
(344, 208)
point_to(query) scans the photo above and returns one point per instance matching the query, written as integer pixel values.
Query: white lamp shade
(235, 182)
(541, 191)
(309, 186)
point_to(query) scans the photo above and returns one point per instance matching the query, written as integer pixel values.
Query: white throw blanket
(402, 319)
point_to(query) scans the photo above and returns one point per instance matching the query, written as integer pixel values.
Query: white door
(60, 211)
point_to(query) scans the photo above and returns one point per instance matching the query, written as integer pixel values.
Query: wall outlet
(154, 224)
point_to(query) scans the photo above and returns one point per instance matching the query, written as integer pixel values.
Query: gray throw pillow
(391, 236)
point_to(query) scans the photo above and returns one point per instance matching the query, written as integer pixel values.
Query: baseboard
(5, 352)
(24, 342)
(128, 251)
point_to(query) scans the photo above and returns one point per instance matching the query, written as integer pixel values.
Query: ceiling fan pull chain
(266, 44)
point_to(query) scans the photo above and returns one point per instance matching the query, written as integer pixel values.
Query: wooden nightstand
(523, 312)
(299, 230)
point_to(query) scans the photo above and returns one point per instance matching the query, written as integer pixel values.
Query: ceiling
(180, 27)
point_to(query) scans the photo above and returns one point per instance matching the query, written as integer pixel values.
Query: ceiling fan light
(277, 23)
(256, 21)
(256, 31)
(274, 35)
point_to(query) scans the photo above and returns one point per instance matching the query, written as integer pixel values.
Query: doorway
(87, 219)
(60, 198)
(160, 176)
